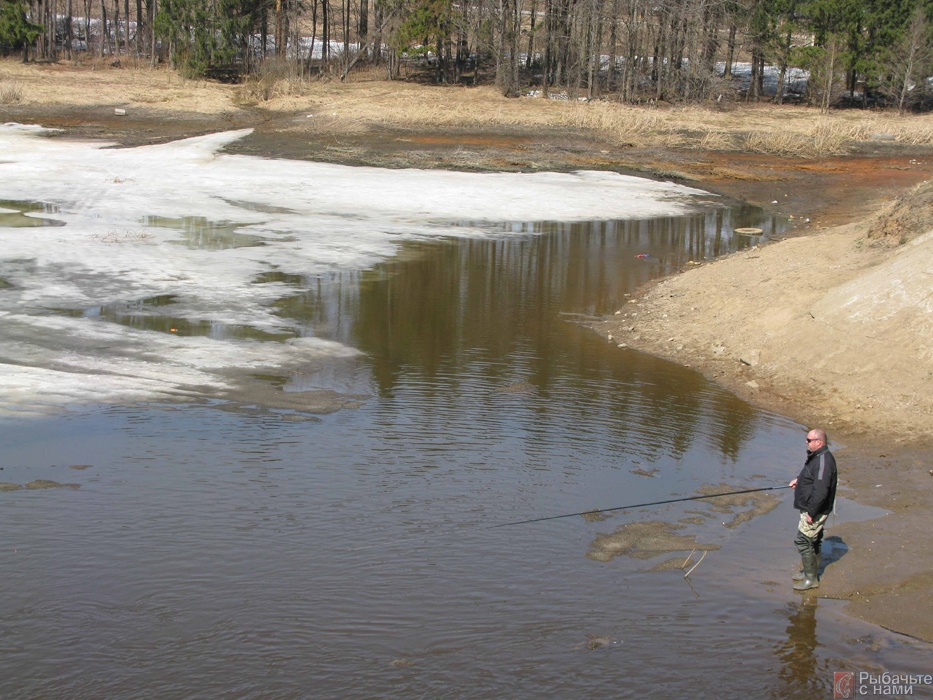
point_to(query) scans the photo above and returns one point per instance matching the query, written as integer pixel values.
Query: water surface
(236, 550)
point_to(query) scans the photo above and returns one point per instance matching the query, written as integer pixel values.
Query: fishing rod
(635, 505)
(596, 511)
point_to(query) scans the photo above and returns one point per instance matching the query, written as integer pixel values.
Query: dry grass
(716, 141)
(94, 83)
(276, 79)
(10, 94)
(824, 139)
(367, 101)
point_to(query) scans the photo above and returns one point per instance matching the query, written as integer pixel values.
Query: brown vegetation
(367, 105)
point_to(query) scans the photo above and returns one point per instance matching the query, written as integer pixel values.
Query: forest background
(848, 52)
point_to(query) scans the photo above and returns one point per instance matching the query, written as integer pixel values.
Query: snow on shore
(184, 221)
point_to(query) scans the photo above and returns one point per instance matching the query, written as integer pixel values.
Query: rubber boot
(810, 567)
(801, 575)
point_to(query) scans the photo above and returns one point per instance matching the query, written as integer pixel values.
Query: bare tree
(908, 59)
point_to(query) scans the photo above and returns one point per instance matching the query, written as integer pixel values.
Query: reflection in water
(456, 319)
(200, 232)
(149, 315)
(802, 673)
(16, 216)
(279, 276)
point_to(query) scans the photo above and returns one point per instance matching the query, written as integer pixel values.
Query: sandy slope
(829, 328)
(838, 333)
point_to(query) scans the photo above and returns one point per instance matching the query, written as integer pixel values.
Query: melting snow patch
(184, 219)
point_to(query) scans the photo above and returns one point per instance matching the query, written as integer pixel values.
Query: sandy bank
(825, 327)
(834, 330)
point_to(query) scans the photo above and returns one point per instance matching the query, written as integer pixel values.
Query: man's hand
(809, 519)
(793, 484)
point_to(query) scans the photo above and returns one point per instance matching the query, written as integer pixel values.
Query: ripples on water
(219, 553)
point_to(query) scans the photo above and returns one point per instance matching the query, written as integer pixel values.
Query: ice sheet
(183, 219)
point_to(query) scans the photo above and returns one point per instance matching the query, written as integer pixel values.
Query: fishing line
(572, 515)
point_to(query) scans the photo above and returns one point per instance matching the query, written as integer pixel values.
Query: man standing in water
(814, 496)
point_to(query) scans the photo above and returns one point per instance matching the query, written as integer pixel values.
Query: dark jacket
(816, 485)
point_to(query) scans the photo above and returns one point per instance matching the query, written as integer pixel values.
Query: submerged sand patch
(47, 484)
(644, 540)
(36, 485)
(742, 506)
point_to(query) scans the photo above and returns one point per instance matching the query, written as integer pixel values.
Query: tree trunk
(730, 53)
(87, 26)
(294, 21)
(345, 9)
(828, 90)
(632, 42)
(563, 56)
(103, 27)
(279, 30)
(753, 77)
(612, 68)
(516, 45)
(779, 90)
(656, 66)
(140, 26)
(595, 55)
(761, 72)
(325, 32)
(50, 24)
(905, 86)
(313, 35)
(529, 58)
(380, 22)
(363, 24)
(43, 37)
(263, 35)
(548, 49)
(115, 47)
(69, 30)
(152, 34)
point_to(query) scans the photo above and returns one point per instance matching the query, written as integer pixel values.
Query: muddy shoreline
(887, 575)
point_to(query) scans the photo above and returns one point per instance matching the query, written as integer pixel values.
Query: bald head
(816, 438)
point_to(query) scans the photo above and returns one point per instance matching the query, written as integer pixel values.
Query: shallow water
(14, 214)
(226, 550)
